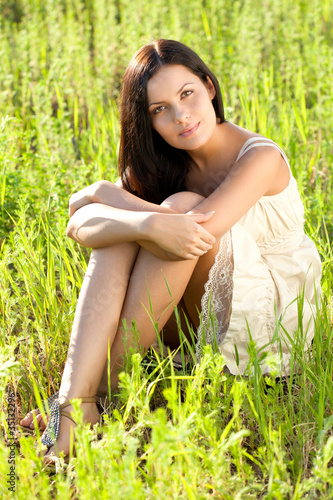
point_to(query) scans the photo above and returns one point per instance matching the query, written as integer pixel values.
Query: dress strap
(262, 141)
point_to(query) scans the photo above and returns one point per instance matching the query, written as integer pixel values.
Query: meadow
(167, 434)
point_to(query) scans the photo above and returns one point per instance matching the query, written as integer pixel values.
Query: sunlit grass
(194, 433)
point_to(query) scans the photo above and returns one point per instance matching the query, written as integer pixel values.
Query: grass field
(168, 434)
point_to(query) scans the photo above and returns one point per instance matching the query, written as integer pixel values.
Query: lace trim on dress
(217, 298)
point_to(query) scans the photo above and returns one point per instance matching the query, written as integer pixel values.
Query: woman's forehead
(170, 77)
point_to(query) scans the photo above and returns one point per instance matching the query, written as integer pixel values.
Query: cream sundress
(263, 265)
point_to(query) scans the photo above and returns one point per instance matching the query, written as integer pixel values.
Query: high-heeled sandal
(51, 433)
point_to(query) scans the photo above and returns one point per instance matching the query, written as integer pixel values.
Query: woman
(205, 211)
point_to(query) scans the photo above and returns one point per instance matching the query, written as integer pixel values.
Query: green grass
(187, 435)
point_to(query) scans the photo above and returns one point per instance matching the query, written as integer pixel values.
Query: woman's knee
(183, 201)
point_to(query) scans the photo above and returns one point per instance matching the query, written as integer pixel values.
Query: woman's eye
(158, 109)
(186, 93)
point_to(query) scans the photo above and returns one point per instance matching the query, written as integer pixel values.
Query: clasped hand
(182, 235)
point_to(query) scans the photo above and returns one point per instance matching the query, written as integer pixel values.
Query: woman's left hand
(180, 236)
(80, 199)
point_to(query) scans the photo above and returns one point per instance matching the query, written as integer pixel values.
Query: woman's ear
(210, 87)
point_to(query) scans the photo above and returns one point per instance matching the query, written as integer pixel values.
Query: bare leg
(95, 324)
(96, 321)
(92, 335)
(104, 299)
(100, 300)
(150, 274)
(185, 279)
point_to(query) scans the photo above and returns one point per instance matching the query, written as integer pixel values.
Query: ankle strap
(83, 400)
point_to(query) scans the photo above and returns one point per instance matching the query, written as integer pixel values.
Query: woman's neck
(221, 151)
(212, 163)
(208, 154)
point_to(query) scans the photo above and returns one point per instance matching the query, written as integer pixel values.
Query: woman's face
(180, 107)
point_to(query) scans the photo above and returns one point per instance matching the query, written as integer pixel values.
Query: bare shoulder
(268, 161)
(239, 133)
(234, 138)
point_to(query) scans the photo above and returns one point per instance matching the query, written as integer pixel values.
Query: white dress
(264, 264)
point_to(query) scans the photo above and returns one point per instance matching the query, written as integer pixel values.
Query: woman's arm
(256, 174)
(94, 226)
(114, 195)
(168, 235)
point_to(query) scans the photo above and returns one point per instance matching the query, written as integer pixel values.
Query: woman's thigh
(189, 307)
(196, 285)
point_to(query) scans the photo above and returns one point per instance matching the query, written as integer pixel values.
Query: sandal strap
(51, 432)
(83, 400)
(67, 415)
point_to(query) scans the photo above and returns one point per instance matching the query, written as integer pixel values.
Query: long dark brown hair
(149, 167)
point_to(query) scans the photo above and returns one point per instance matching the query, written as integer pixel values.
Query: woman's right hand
(181, 235)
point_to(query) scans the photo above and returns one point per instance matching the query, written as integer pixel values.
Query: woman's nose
(181, 114)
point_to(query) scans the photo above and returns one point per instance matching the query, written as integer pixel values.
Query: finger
(191, 256)
(205, 247)
(196, 252)
(202, 246)
(207, 237)
(203, 250)
(201, 217)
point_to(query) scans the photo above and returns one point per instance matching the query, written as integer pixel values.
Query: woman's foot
(65, 439)
(35, 417)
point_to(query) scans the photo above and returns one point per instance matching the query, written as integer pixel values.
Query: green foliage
(188, 434)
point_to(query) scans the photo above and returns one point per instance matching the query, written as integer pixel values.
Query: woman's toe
(29, 418)
(40, 422)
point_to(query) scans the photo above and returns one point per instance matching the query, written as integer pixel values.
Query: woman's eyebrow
(179, 91)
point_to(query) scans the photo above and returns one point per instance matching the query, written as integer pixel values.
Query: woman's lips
(189, 130)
